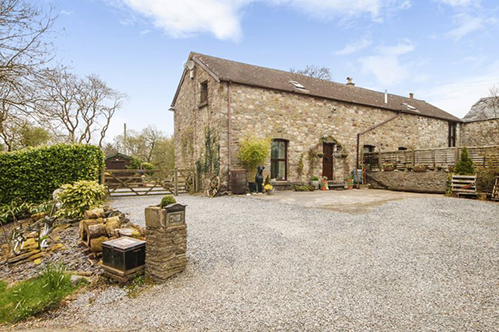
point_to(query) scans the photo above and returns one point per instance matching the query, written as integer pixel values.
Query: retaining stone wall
(429, 182)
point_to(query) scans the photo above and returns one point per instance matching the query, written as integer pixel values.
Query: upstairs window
(368, 148)
(402, 148)
(452, 134)
(203, 93)
(279, 160)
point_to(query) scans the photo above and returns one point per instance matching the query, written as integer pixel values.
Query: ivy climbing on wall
(212, 153)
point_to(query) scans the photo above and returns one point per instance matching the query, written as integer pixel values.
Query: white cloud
(458, 96)
(386, 65)
(222, 18)
(187, 17)
(354, 47)
(470, 17)
(65, 12)
(145, 32)
(458, 3)
(467, 24)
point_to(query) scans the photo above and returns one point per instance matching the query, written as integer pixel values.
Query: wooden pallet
(464, 185)
(495, 191)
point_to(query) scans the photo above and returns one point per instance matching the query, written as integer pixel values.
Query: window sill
(203, 104)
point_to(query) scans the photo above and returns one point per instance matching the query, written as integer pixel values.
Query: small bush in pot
(253, 152)
(167, 200)
(314, 181)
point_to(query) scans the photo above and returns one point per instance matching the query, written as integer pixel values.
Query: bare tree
(323, 73)
(80, 109)
(23, 50)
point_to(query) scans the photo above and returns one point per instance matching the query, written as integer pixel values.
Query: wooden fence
(140, 182)
(486, 156)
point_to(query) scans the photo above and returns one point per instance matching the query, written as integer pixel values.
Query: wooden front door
(327, 160)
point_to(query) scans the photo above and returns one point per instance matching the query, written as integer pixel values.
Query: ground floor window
(279, 159)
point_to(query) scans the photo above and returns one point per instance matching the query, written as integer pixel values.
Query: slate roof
(484, 109)
(242, 73)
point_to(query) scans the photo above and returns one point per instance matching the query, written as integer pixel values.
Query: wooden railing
(139, 182)
(485, 156)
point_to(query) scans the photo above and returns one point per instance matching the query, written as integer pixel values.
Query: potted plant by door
(349, 183)
(314, 181)
(324, 184)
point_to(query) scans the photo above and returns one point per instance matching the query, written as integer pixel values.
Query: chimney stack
(350, 81)
(411, 95)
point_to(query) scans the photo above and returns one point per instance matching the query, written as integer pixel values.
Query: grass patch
(34, 296)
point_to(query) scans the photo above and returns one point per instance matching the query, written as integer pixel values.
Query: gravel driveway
(256, 265)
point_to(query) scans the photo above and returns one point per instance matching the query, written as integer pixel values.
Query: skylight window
(297, 85)
(412, 108)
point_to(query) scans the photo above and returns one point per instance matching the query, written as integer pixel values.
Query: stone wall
(192, 120)
(307, 121)
(480, 133)
(427, 182)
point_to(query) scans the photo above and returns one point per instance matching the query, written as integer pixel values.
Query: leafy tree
(465, 165)
(323, 73)
(19, 133)
(151, 145)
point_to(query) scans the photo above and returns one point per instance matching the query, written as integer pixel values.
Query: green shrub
(33, 174)
(304, 187)
(18, 209)
(79, 197)
(15, 210)
(134, 163)
(486, 178)
(31, 297)
(254, 151)
(147, 166)
(314, 178)
(464, 166)
(167, 200)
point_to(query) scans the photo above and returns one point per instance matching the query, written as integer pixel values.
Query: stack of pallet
(96, 229)
(495, 191)
(464, 185)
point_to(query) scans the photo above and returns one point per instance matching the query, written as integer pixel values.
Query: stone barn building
(480, 126)
(317, 127)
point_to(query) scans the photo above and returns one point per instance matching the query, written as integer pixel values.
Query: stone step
(335, 185)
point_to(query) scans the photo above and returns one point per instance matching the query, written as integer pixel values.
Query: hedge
(33, 174)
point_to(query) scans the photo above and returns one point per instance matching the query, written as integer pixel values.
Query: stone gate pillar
(166, 246)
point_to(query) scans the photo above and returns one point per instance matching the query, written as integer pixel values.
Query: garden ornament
(259, 178)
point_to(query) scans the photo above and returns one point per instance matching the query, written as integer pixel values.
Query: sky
(444, 51)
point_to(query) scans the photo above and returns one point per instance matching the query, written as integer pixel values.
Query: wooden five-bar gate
(140, 182)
